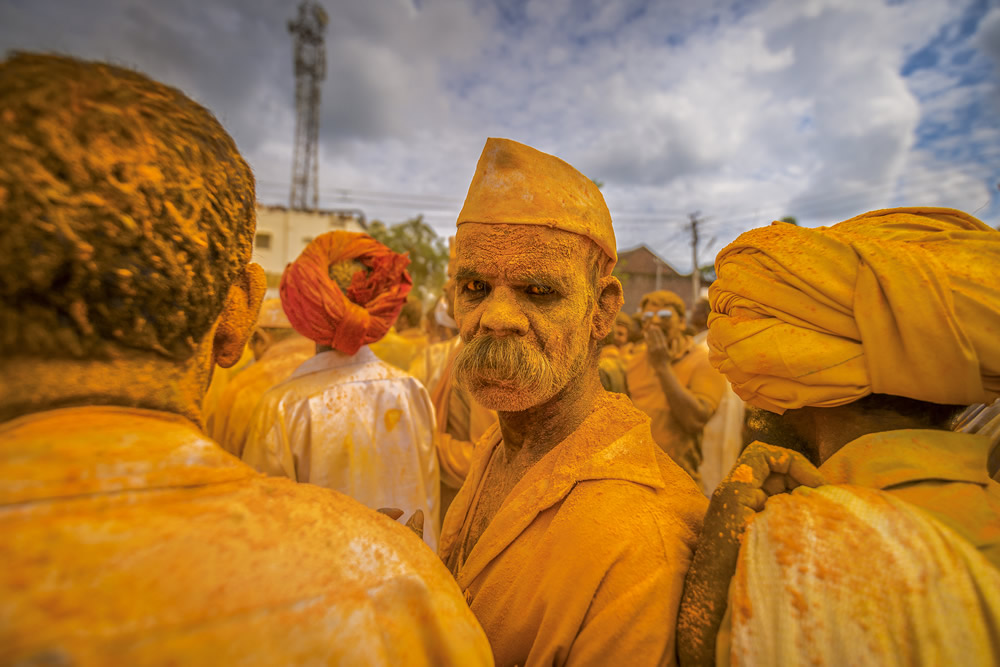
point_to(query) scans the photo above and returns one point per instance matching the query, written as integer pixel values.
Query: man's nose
(502, 315)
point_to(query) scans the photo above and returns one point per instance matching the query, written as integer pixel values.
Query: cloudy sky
(743, 110)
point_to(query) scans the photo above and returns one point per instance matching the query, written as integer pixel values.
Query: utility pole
(695, 272)
(310, 70)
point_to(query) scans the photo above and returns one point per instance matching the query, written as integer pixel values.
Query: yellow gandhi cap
(517, 185)
(272, 315)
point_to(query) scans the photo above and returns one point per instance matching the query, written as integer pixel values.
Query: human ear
(239, 315)
(610, 298)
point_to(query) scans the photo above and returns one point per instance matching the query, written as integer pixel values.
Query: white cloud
(746, 112)
(988, 35)
(790, 108)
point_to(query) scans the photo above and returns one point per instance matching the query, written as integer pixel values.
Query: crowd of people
(801, 469)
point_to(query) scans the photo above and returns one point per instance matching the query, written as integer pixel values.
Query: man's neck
(532, 433)
(827, 430)
(35, 385)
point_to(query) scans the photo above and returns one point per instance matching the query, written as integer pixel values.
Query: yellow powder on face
(742, 473)
(556, 330)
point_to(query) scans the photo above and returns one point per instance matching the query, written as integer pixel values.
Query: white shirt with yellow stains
(354, 424)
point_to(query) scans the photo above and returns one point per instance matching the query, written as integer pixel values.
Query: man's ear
(239, 315)
(610, 299)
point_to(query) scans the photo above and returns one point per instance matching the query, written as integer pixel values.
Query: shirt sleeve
(707, 383)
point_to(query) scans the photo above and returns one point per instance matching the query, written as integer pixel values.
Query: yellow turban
(901, 301)
(518, 185)
(272, 315)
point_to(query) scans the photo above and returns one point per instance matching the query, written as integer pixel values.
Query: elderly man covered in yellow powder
(278, 350)
(671, 380)
(346, 420)
(129, 538)
(573, 530)
(856, 344)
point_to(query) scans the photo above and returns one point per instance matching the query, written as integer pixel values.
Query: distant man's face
(524, 306)
(665, 317)
(621, 335)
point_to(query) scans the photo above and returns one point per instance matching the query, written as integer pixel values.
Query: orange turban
(515, 184)
(900, 301)
(320, 311)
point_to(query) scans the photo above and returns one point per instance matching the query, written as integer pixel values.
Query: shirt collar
(614, 442)
(96, 449)
(887, 459)
(325, 361)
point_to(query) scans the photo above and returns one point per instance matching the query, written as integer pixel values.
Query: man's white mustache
(501, 360)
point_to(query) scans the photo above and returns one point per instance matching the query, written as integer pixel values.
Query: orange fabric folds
(319, 310)
(900, 301)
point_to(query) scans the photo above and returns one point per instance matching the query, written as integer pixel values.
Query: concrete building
(282, 233)
(642, 271)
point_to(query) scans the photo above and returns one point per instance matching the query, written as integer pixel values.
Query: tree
(790, 219)
(428, 252)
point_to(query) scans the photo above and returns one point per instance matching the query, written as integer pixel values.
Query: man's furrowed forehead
(561, 278)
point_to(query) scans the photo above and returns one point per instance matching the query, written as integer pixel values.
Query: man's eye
(539, 290)
(474, 286)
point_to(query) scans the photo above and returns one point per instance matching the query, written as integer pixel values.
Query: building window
(262, 241)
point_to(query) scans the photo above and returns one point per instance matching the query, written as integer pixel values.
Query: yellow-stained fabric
(517, 184)
(696, 374)
(629, 350)
(461, 422)
(612, 370)
(899, 301)
(585, 559)
(466, 421)
(941, 472)
(356, 425)
(240, 398)
(431, 363)
(221, 377)
(843, 575)
(722, 437)
(129, 538)
(400, 349)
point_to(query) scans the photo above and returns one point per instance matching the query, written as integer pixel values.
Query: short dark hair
(126, 212)
(934, 415)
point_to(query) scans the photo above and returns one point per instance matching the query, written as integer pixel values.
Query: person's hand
(761, 471)
(414, 523)
(662, 350)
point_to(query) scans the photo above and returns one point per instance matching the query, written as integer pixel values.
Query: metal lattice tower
(310, 70)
